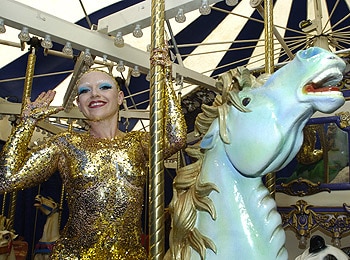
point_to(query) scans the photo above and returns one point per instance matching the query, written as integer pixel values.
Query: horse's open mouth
(325, 82)
(37, 202)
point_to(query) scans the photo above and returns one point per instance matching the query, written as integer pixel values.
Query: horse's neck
(219, 170)
(51, 228)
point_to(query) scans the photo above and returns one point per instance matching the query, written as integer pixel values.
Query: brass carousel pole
(156, 176)
(27, 90)
(269, 68)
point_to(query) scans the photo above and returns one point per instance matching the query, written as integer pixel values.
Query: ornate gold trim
(303, 220)
(301, 187)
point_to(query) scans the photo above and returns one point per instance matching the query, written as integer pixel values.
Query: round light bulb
(137, 31)
(118, 40)
(204, 9)
(180, 17)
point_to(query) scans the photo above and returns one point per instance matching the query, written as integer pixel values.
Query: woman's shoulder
(137, 135)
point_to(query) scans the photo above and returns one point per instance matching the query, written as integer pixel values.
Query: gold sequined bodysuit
(104, 182)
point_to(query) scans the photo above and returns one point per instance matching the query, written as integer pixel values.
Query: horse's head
(320, 250)
(6, 239)
(45, 205)
(265, 133)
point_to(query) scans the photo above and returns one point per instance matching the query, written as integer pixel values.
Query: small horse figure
(51, 228)
(220, 208)
(320, 250)
(7, 237)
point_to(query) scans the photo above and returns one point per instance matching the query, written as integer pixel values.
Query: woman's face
(98, 96)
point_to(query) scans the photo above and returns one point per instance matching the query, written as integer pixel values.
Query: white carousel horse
(7, 237)
(319, 250)
(7, 251)
(221, 208)
(51, 228)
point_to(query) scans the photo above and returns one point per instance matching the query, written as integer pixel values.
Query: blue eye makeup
(82, 90)
(105, 86)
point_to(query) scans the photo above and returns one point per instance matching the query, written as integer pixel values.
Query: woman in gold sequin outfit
(103, 170)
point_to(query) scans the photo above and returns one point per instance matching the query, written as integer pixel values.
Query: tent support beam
(17, 15)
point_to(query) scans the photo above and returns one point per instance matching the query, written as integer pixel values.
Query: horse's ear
(209, 139)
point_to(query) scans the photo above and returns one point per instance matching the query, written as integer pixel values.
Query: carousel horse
(7, 251)
(320, 250)
(7, 237)
(221, 208)
(51, 228)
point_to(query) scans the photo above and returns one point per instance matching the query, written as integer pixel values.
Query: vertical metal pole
(269, 68)
(156, 182)
(26, 94)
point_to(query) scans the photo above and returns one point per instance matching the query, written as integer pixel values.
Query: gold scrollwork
(301, 187)
(303, 220)
(344, 119)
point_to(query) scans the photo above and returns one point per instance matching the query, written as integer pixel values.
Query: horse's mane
(228, 84)
(189, 193)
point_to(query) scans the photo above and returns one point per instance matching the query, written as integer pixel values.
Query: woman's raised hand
(39, 109)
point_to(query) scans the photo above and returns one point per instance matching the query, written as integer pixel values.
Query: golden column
(156, 176)
(27, 90)
(269, 68)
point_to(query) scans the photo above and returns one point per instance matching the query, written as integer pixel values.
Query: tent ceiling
(203, 47)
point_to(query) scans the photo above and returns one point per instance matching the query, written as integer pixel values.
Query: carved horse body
(51, 228)
(221, 209)
(7, 237)
(7, 251)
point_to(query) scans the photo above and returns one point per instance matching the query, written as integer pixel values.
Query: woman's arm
(18, 167)
(175, 124)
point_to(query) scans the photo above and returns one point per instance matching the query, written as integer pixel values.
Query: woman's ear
(78, 102)
(120, 97)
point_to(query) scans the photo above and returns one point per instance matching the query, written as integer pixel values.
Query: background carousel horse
(318, 250)
(220, 207)
(51, 228)
(7, 237)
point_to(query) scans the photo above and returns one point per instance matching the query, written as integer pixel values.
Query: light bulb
(120, 66)
(47, 43)
(24, 35)
(87, 57)
(231, 2)
(180, 17)
(205, 9)
(148, 76)
(137, 31)
(104, 58)
(2, 26)
(135, 72)
(67, 49)
(118, 40)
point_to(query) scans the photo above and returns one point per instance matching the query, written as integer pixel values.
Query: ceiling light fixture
(2, 26)
(67, 49)
(119, 40)
(24, 35)
(180, 16)
(204, 9)
(135, 72)
(47, 43)
(88, 58)
(137, 31)
(231, 2)
(120, 66)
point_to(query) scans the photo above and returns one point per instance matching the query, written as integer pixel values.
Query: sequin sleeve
(175, 124)
(21, 168)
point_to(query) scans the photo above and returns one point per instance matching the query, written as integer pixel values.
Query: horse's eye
(245, 101)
